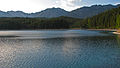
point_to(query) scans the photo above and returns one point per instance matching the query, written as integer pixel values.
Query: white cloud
(68, 4)
(73, 2)
(117, 3)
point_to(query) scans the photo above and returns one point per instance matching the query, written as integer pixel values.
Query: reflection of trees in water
(118, 40)
(71, 47)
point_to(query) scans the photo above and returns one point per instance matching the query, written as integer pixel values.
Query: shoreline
(116, 33)
(104, 29)
(64, 29)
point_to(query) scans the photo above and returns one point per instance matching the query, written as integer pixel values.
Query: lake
(59, 49)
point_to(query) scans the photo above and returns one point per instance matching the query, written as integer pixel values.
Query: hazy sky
(38, 5)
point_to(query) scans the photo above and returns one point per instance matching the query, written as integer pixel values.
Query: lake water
(59, 49)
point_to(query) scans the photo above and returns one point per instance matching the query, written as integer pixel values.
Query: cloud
(72, 2)
(68, 4)
(117, 3)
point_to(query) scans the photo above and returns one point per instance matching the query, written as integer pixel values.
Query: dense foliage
(37, 23)
(108, 19)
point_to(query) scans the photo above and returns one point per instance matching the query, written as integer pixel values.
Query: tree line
(109, 19)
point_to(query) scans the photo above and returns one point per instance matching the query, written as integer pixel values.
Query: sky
(31, 6)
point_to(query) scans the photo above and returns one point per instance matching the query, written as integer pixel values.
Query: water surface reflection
(62, 52)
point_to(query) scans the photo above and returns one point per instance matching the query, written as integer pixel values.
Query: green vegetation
(37, 23)
(109, 19)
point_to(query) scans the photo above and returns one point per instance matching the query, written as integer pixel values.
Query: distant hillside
(83, 12)
(50, 13)
(107, 20)
(14, 14)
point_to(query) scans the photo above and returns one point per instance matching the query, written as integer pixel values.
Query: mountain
(85, 12)
(14, 14)
(51, 12)
(18, 14)
(3, 14)
(82, 12)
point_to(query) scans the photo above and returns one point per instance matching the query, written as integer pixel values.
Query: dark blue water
(59, 49)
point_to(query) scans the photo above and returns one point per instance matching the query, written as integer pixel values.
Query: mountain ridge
(82, 12)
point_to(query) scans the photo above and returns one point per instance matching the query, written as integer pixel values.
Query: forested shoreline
(107, 20)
